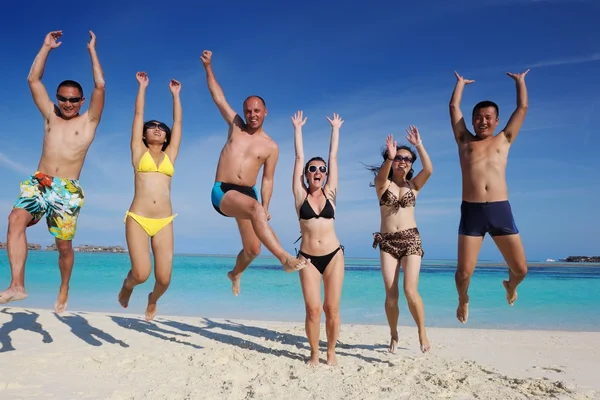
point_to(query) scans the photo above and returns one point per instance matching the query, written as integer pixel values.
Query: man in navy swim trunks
(247, 150)
(485, 207)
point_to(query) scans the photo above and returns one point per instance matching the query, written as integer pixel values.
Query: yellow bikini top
(147, 164)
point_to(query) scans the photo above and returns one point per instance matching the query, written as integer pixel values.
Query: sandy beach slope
(119, 356)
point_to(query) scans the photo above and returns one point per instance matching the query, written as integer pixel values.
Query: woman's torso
(397, 206)
(316, 213)
(152, 196)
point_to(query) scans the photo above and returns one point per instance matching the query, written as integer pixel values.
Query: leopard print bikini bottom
(399, 244)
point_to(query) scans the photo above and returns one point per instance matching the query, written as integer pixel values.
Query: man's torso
(242, 157)
(483, 164)
(66, 143)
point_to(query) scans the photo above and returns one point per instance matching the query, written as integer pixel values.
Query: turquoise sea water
(551, 297)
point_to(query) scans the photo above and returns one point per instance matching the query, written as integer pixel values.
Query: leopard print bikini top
(390, 199)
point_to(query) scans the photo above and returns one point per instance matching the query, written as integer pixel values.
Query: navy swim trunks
(495, 218)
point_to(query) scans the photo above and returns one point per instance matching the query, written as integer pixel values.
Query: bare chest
(67, 134)
(488, 151)
(248, 147)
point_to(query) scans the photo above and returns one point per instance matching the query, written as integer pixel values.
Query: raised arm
(518, 116)
(266, 190)
(384, 171)
(456, 116)
(97, 101)
(173, 148)
(137, 130)
(38, 91)
(414, 138)
(215, 89)
(332, 174)
(298, 187)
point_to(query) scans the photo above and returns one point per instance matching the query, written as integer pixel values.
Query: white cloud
(567, 61)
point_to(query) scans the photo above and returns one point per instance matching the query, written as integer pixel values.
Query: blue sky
(381, 67)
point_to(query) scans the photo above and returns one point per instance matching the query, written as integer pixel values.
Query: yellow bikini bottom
(151, 225)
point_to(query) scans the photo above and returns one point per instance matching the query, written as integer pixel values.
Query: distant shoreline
(426, 262)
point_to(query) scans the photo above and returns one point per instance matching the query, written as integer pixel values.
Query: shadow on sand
(149, 328)
(89, 334)
(25, 320)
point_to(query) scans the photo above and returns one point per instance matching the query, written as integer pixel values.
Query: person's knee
(257, 211)
(163, 279)
(462, 275)
(411, 294)
(64, 248)
(331, 310)
(17, 222)
(252, 251)
(140, 276)
(391, 297)
(313, 311)
(519, 269)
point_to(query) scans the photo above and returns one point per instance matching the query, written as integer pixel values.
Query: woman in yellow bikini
(154, 149)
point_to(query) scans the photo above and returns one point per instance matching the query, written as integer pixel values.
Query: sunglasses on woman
(313, 169)
(157, 125)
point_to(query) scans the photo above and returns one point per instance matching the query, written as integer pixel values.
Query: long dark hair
(167, 132)
(384, 153)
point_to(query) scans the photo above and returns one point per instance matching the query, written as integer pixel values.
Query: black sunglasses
(405, 159)
(68, 99)
(157, 125)
(313, 169)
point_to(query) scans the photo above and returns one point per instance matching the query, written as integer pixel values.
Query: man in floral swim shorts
(53, 191)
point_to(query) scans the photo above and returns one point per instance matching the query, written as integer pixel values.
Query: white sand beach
(119, 356)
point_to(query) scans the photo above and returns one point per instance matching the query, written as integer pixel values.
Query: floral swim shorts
(60, 200)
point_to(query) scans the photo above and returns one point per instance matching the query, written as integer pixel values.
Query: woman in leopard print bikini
(399, 240)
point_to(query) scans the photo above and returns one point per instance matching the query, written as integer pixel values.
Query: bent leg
(66, 259)
(17, 255)
(390, 272)
(412, 267)
(240, 206)
(250, 250)
(468, 251)
(512, 250)
(333, 279)
(162, 247)
(310, 280)
(139, 254)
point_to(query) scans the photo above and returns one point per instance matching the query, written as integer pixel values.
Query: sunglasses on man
(71, 100)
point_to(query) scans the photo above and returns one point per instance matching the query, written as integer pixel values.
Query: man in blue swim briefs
(53, 191)
(485, 207)
(247, 150)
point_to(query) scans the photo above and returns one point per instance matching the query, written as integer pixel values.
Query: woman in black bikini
(399, 240)
(315, 205)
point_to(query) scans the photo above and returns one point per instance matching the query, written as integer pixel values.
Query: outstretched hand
(297, 119)
(518, 77)
(51, 39)
(462, 79)
(391, 147)
(175, 86)
(206, 57)
(142, 79)
(413, 135)
(92, 42)
(336, 122)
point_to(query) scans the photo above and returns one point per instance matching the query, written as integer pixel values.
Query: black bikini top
(408, 199)
(307, 212)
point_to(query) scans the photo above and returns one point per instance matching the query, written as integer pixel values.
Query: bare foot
(293, 264)
(462, 311)
(425, 346)
(235, 282)
(393, 343)
(314, 359)
(13, 294)
(151, 309)
(331, 359)
(125, 295)
(61, 302)
(511, 293)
